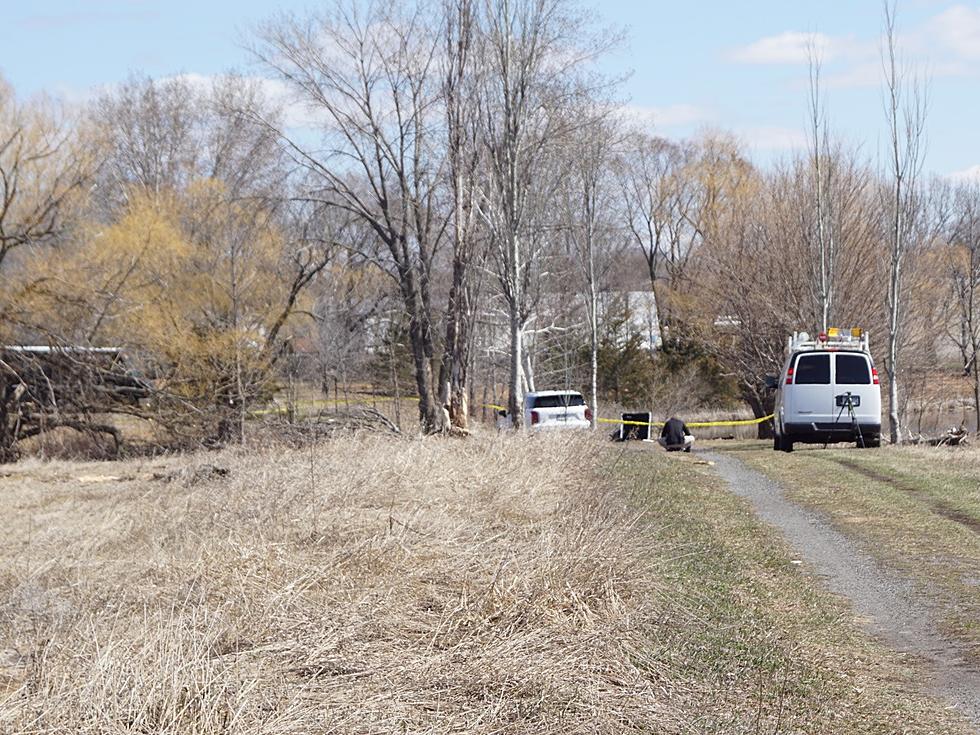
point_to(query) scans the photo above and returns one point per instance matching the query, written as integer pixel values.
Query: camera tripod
(848, 405)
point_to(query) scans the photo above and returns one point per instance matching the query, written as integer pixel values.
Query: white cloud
(946, 45)
(966, 175)
(773, 138)
(667, 116)
(958, 29)
(794, 47)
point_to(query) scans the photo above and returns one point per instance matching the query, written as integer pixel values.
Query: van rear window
(852, 370)
(560, 401)
(813, 370)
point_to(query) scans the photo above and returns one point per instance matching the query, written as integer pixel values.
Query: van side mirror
(772, 382)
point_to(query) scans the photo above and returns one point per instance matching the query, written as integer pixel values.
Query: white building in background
(642, 309)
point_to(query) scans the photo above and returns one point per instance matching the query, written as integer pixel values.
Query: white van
(552, 409)
(828, 392)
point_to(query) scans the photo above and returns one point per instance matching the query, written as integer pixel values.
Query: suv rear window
(852, 370)
(561, 401)
(812, 370)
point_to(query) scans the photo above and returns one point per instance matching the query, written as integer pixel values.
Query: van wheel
(781, 443)
(873, 442)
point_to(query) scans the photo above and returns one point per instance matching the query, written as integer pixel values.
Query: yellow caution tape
(694, 424)
(742, 422)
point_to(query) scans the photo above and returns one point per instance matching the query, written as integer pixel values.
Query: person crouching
(675, 436)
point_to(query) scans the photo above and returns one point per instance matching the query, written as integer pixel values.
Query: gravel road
(887, 604)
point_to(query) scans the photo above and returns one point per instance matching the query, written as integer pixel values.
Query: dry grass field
(368, 585)
(379, 585)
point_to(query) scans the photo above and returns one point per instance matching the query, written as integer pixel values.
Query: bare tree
(590, 208)
(44, 168)
(460, 73)
(535, 51)
(741, 316)
(905, 112)
(822, 170)
(370, 75)
(963, 274)
(656, 195)
(849, 290)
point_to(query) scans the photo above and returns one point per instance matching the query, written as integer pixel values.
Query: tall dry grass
(366, 585)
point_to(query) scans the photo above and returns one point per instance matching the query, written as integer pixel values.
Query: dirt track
(886, 604)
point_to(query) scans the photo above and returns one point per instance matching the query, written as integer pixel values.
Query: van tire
(781, 443)
(873, 442)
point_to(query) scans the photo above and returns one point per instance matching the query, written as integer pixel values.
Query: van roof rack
(833, 339)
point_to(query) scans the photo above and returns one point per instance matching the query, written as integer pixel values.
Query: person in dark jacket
(675, 436)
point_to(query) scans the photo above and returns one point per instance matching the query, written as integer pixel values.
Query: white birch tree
(460, 72)
(822, 171)
(535, 53)
(905, 113)
(590, 206)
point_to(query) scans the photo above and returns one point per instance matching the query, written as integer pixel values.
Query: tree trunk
(430, 412)
(455, 359)
(976, 396)
(975, 368)
(594, 350)
(761, 405)
(595, 379)
(891, 367)
(431, 416)
(661, 316)
(515, 399)
(895, 429)
(527, 370)
(6, 434)
(459, 410)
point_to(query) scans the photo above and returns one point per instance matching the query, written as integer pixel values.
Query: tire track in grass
(885, 602)
(912, 490)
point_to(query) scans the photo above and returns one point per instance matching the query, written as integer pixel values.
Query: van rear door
(811, 399)
(852, 374)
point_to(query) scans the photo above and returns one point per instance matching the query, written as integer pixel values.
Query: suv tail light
(874, 376)
(789, 376)
(535, 417)
(588, 414)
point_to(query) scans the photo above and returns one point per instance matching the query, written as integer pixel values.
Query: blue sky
(737, 66)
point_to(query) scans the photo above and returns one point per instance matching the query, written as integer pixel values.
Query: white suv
(552, 409)
(828, 392)
(556, 409)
